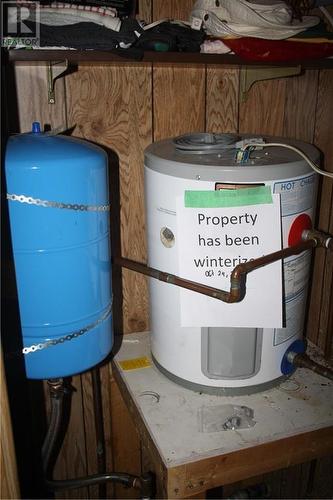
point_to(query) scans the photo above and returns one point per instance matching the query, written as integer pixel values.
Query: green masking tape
(228, 197)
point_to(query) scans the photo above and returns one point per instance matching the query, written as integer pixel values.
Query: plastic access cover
(205, 142)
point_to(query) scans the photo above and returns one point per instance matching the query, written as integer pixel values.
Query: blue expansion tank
(57, 191)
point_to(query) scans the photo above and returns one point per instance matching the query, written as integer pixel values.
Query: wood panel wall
(9, 486)
(124, 108)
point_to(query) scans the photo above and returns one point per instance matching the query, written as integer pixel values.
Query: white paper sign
(211, 242)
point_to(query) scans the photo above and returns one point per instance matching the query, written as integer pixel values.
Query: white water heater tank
(225, 360)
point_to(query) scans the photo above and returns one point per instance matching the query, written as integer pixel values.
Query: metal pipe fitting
(56, 386)
(291, 357)
(324, 240)
(146, 485)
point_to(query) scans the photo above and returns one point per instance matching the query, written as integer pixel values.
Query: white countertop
(173, 414)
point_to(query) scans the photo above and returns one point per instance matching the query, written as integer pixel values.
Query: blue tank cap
(35, 128)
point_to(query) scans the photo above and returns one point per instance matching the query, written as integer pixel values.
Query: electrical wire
(293, 148)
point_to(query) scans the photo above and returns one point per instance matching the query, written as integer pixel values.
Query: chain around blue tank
(61, 255)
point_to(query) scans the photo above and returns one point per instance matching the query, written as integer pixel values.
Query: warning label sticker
(135, 363)
(296, 274)
(296, 194)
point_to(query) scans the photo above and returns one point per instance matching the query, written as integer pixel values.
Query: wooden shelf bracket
(54, 69)
(250, 75)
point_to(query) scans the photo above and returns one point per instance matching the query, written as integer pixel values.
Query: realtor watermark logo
(20, 24)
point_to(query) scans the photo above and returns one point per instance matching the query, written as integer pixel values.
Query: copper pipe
(238, 275)
(303, 361)
(324, 240)
(172, 279)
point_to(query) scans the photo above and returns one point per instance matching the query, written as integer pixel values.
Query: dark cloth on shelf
(256, 49)
(173, 36)
(88, 35)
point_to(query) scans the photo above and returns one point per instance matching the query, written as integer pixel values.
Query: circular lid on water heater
(204, 143)
(206, 156)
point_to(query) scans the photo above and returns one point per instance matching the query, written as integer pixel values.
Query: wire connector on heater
(244, 148)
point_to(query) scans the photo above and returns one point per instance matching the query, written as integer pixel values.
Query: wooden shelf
(108, 57)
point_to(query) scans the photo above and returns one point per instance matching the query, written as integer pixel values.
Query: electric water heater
(57, 191)
(224, 359)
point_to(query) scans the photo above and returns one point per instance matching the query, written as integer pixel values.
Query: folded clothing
(60, 14)
(104, 10)
(124, 8)
(255, 49)
(89, 35)
(269, 20)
